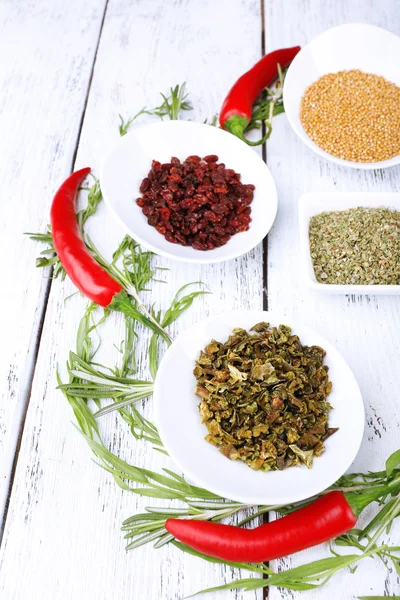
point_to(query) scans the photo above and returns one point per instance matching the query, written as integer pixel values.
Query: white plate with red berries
(189, 191)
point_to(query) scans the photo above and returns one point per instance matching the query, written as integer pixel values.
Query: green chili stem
(359, 500)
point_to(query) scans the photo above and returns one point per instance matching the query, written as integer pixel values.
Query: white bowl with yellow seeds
(342, 96)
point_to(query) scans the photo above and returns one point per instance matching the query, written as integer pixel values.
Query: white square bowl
(316, 203)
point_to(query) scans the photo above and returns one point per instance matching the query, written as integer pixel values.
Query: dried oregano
(263, 397)
(356, 246)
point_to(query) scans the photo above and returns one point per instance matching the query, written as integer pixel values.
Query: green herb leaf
(392, 462)
(172, 105)
(213, 122)
(181, 303)
(306, 577)
(124, 125)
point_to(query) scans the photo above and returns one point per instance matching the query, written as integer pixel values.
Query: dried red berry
(144, 186)
(196, 203)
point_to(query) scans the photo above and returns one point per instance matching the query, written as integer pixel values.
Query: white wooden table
(67, 69)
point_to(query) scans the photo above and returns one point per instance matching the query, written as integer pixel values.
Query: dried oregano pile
(263, 397)
(356, 246)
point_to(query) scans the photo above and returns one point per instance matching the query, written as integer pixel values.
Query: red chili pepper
(236, 110)
(85, 272)
(92, 280)
(324, 519)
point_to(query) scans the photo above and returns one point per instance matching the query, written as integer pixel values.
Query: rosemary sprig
(213, 121)
(98, 385)
(137, 263)
(141, 428)
(150, 526)
(306, 577)
(48, 256)
(94, 198)
(129, 477)
(92, 381)
(378, 597)
(124, 125)
(173, 103)
(126, 278)
(269, 106)
(179, 304)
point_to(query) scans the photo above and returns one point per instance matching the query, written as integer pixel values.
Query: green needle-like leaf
(392, 462)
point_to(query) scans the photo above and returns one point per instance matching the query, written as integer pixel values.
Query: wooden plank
(48, 49)
(362, 328)
(68, 508)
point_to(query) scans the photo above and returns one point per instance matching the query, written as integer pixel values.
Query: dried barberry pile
(196, 203)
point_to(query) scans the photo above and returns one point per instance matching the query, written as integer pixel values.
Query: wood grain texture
(68, 508)
(362, 328)
(47, 51)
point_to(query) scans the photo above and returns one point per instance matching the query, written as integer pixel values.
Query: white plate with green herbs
(183, 434)
(355, 245)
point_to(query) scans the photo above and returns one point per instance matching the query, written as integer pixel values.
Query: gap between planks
(49, 284)
(25, 404)
(26, 400)
(265, 517)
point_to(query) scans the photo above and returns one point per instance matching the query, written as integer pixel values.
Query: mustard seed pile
(353, 115)
(356, 246)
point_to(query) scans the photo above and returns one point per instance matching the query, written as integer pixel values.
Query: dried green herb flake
(359, 246)
(264, 397)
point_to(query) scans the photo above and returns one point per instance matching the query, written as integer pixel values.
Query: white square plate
(316, 203)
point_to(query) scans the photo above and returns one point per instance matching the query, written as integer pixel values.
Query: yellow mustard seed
(353, 115)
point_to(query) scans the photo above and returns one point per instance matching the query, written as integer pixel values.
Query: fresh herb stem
(173, 103)
(213, 121)
(48, 256)
(306, 577)
(179, 304)
(124, 125)
(121, 302)
(268, 106)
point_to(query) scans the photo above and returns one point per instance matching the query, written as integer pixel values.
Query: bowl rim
(277, 317)
(338, 201)
(300, 131)
(202, 257)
